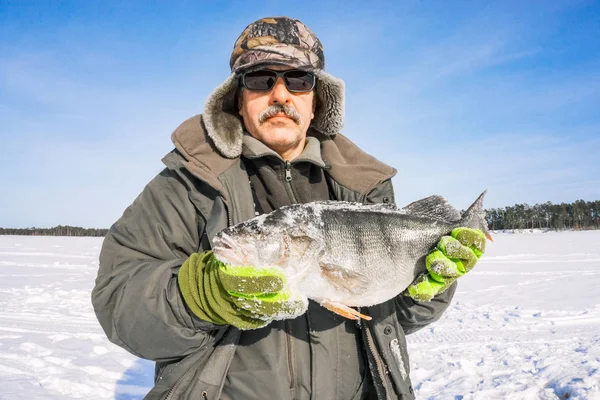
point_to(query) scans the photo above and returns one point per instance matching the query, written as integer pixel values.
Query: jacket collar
(254, 148)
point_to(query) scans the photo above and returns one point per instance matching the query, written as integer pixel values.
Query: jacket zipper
(174, 387)
(288, 171)
(172, 390)
(381, 368)
(288, 325)
(288, 181)
(291, 357)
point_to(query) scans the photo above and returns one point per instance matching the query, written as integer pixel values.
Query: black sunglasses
(263, 80)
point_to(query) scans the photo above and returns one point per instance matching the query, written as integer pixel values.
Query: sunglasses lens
(264, 80)
(260, 80)
(299, 81)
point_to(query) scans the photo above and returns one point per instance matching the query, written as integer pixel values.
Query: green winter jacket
(136, 297)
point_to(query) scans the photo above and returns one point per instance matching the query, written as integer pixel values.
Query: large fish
(344, 254)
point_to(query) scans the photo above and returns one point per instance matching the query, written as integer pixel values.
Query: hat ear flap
(330, 103)
(221, 118)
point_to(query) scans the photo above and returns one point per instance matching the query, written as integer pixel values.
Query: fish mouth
(225, 250)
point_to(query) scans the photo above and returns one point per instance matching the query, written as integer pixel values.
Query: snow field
(51, 345)
(525, 324)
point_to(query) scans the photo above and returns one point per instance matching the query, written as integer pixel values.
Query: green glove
(245, 297)
(454, 256)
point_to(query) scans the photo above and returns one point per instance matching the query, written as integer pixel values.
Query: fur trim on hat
(329, 115)
(225, 127)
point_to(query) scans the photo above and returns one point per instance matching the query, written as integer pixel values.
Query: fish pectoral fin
(343, 279)
(343, 310)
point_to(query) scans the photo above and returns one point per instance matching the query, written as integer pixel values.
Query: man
(268, 137)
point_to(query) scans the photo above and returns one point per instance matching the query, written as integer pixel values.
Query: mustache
(275, 109)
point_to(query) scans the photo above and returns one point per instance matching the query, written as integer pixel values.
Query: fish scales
(376, 241)
(359, 241)
(347, 254)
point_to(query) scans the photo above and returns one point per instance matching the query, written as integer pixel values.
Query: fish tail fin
(474, 217)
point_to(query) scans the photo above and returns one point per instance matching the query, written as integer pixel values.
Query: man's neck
(254, 148)
(291, 154)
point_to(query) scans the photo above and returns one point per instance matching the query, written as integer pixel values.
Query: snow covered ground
(525, 324)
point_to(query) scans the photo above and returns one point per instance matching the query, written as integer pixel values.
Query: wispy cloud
(478, 110)
(457, 99)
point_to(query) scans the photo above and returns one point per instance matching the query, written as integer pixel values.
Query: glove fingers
(201, 289)
(440, 266)
(221, 307)
(472, 238)
(453, 257)
(215, 302)
(251, 281)
(268, 307)
(424, 288)
(259, 293)
(464, 257)
(215, 293)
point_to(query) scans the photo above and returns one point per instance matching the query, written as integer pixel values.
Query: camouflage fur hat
(272, 41)
(279, 40)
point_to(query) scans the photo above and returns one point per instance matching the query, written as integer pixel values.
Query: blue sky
(459, 96)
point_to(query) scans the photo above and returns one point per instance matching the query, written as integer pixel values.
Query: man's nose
(279, 93)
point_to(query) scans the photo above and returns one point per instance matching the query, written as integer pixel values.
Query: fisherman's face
(283, 133)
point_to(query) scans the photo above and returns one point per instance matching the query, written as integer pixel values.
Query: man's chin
(280, 134)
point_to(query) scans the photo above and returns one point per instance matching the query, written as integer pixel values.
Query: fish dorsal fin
(435, 207)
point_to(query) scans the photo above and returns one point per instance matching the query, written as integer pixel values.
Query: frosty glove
(245, 297)
(453, 257)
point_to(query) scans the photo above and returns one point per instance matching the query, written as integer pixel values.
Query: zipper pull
(288, 171)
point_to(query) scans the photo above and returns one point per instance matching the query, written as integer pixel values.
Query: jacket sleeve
(136, 297)
(413, 315)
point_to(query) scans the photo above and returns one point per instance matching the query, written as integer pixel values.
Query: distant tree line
(59, 230)
(580, 215)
